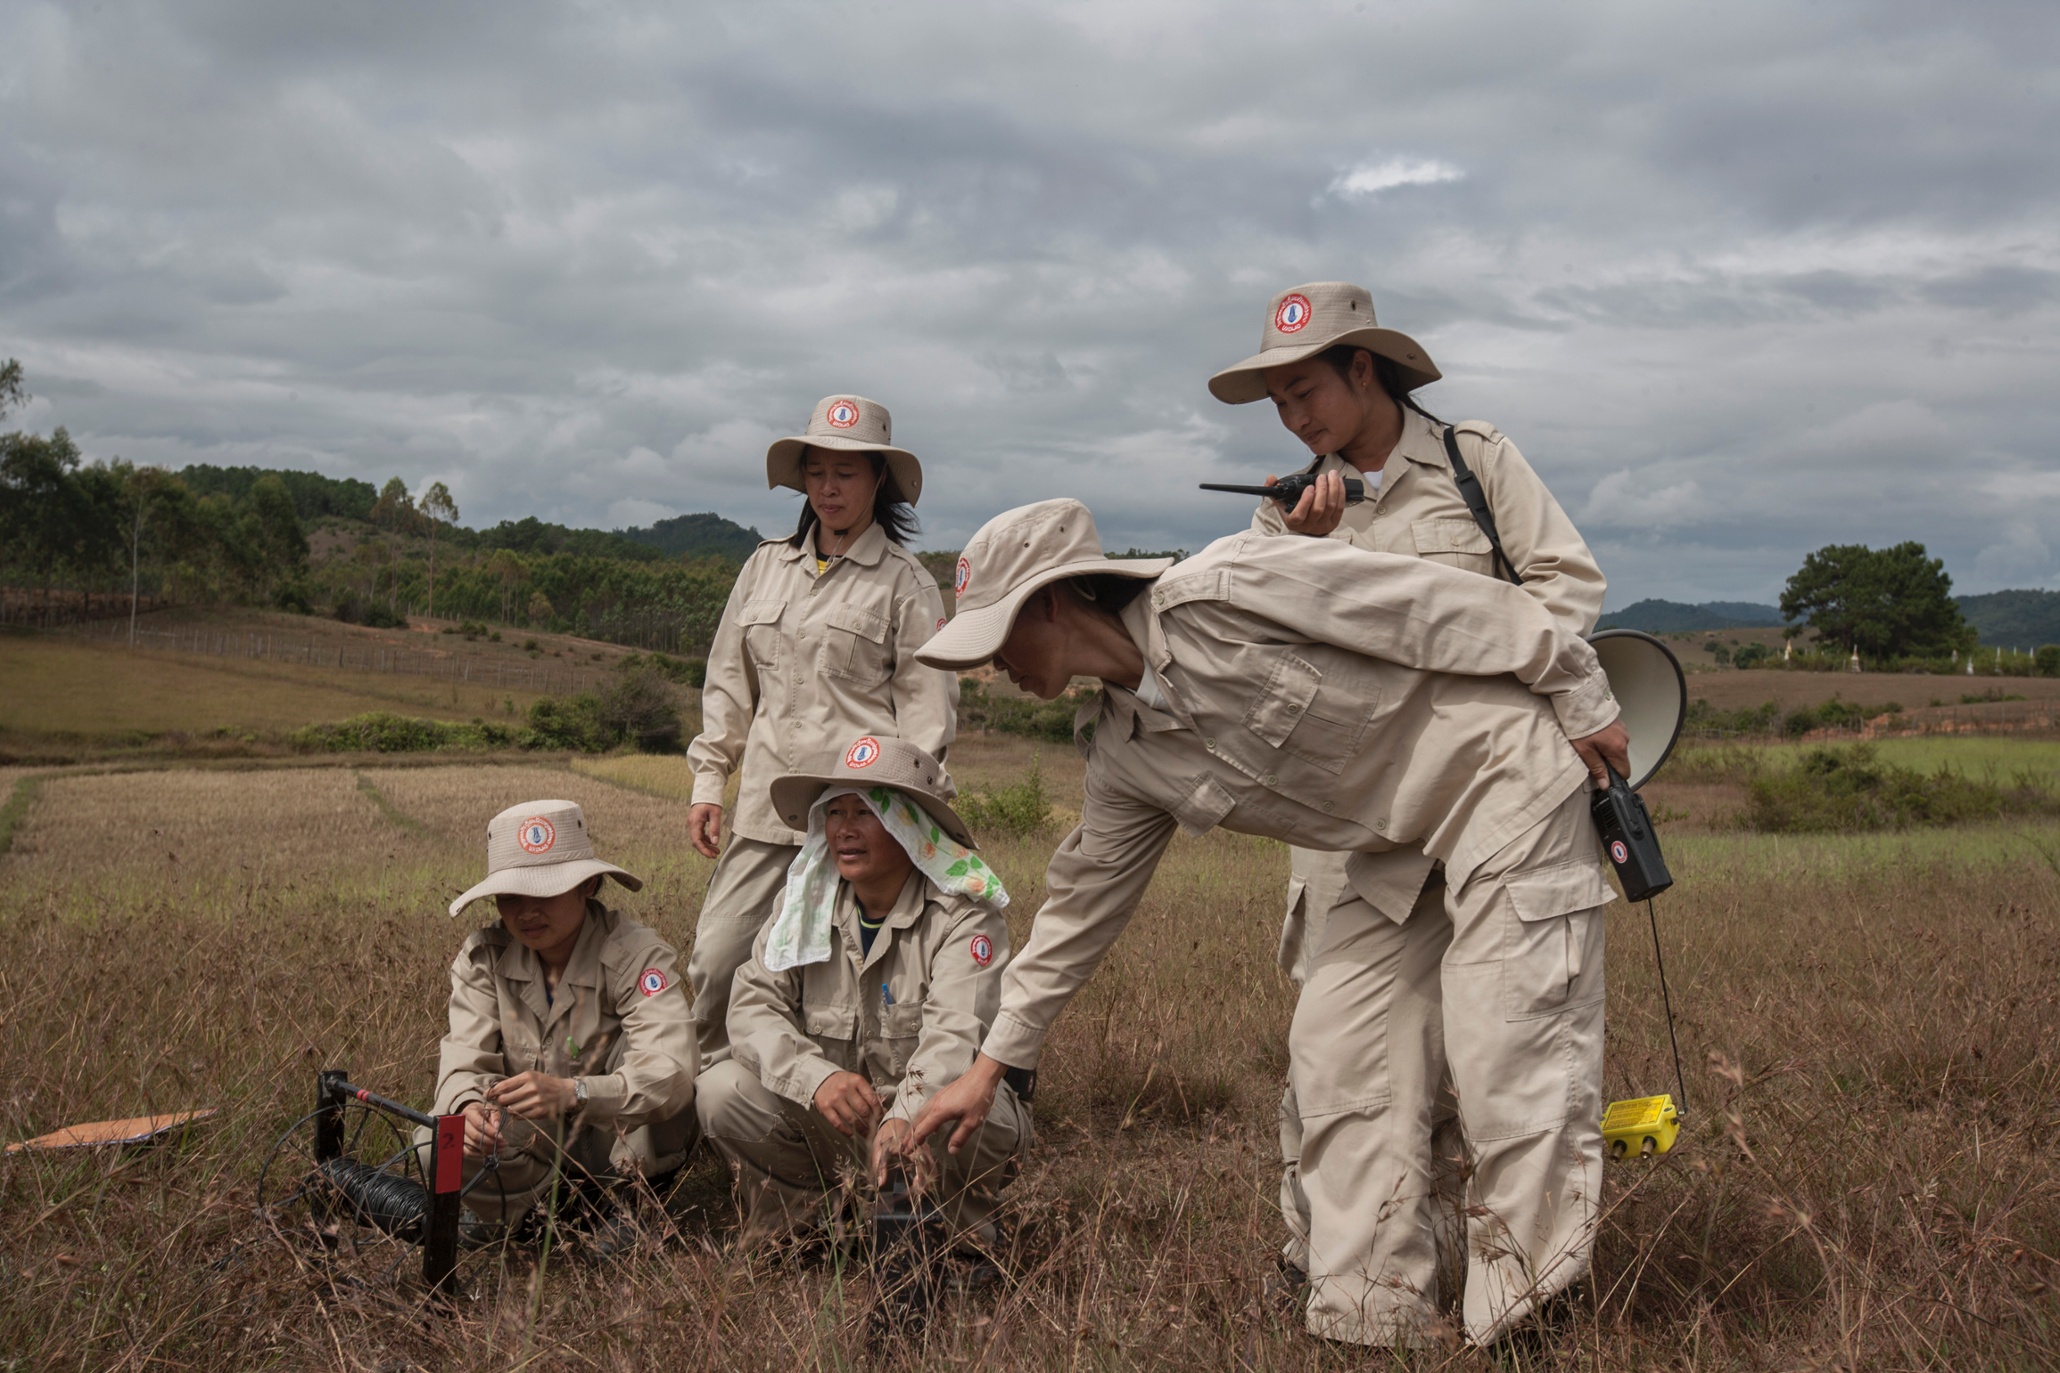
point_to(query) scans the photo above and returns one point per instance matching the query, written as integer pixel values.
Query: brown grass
(1867, 1180)
(1729, 690)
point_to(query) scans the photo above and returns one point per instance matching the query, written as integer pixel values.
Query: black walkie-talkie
(1629, 839)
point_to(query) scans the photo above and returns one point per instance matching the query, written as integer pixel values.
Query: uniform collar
(1420, 442)
(906, 910)
(1128, 711)
(519, 963)
(867, 552)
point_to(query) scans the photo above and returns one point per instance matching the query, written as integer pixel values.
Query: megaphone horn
(1651, 691)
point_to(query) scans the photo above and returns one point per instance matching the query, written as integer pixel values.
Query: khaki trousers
(748, 878)
(1499, 984)
(790, 1161)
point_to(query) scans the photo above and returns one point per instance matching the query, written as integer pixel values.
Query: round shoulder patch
(982, 949)
(941, 622)
(1291, 316)
(963, 575)
(863, 753)
(842, 414)
(536, 835)
(651, 981)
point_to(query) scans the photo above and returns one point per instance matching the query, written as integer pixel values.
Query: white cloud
(1371, 178)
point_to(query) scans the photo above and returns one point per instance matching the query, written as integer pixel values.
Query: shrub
(1051, 721)
(1751, 655)
(2046, 662)
(572, 723)
(1018, 809)
(639, 706)
(1846, 790)
(691, 672)
(1705, 719)
(384, 732)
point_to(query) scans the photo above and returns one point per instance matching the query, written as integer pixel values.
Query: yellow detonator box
(1643, 1126)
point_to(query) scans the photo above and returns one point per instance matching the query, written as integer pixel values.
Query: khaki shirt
(908, 1016)
(1317, 693)
(1419, 512)
(633, 1045)
(803, 664)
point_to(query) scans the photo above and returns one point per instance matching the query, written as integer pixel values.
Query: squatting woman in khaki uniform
(1367, 704)
(817, 645)
(1344, 386)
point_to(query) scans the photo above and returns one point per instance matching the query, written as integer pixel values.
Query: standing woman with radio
(1461, 495)
(817, 645)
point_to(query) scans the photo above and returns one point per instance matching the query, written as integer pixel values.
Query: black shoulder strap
(1477, 502)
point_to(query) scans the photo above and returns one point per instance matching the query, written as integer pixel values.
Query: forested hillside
(337, 547)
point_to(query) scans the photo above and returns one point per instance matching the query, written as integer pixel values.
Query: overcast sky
(1739, 279)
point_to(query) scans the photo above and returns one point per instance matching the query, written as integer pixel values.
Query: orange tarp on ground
(134, 1130)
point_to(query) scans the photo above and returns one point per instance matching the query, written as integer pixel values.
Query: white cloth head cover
(800, 933)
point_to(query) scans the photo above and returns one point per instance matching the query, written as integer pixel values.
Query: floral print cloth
(800, 933)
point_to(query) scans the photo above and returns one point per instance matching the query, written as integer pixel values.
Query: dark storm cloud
(1739, 281)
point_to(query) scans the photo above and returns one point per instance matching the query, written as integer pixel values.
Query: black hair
(1107, 590)
(895, 516)
(1385, 372)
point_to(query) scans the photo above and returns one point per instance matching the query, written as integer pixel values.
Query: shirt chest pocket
(1455, 542)
(760, 623)
(1299, 713)
(855, 645)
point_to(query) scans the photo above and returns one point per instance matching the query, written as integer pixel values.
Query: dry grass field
(1868, 1180)
(1729, 689)
(66, 694)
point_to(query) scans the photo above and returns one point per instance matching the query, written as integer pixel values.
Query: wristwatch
(579, 1093)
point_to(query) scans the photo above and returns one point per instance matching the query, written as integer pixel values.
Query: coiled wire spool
(385, 1201)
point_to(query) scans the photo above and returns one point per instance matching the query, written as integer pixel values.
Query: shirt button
(1381, 826)
(1209, 744)
(1329, 806)
(798, 679)
(1294, 710)
(1271, 780)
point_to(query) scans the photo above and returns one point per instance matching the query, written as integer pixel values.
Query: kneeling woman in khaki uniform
(1362, 703)
(571, 1044)
(870, 990)
(817, 645)
(1344, 387)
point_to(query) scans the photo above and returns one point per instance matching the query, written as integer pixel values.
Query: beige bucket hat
(1013, 555)
(874, 761)
(539, 848)
(851, 424)
(1305, 320)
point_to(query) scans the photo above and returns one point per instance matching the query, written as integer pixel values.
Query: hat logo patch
(842, 414)
(536, 835)
(940, 623)
(1291, 316)
(982, 949)
(959, 578)
(863, 753)
(651, 981)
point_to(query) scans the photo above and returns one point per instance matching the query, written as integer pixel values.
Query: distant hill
(2014, 619)
(698, 536)
(1674, 617)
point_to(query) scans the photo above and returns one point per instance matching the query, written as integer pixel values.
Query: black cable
(1680, 1081)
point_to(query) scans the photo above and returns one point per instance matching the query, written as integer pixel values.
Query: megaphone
(1651, 691)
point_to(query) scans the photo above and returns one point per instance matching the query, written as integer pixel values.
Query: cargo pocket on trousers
(1545, 945)
(1204, 806)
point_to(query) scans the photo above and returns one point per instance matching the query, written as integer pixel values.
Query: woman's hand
(533, 1096)
(704, 828)
(482, 1130)
(895, 1142)
(848, 1102)
(966, 1100)
(1321, 508)
(1611, 745)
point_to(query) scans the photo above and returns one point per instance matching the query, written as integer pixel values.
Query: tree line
(303, 542)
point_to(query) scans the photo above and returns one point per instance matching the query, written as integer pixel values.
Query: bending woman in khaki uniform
(1343, 386)
(816, 645)
(571, 1044)
(871, 990)
(1362, 703)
